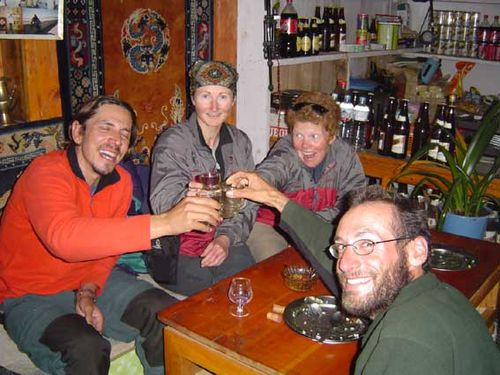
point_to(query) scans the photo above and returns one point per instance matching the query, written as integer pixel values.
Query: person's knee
(82, 348)
(141, 314)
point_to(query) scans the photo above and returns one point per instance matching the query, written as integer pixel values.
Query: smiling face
(102, 142)
(213, 105)
(370, 283)
(311, 142)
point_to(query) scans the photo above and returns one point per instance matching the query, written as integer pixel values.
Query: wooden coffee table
(201, 332)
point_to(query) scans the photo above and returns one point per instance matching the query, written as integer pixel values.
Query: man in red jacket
(61, 233)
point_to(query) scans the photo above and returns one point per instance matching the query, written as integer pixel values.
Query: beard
(386, 288)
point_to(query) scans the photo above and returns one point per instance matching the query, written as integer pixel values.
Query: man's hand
(216, 252)
(86, 307)
(256, 189)
(191, 213)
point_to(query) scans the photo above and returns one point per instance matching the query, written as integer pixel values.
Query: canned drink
(467, 17)
(438, 17)
(472, 50)
(459, 19)
(362, 21)
(475, 19)
(490, 52)
(452, 48)
(362, 37)
(472, 35)
(449, 17)
(459, 33)
(445, 32)
(442, 47)
(482, 50)
(460, 49)
(494, 35)
(497, 52)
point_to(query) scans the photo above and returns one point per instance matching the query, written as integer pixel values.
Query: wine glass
(240, 293)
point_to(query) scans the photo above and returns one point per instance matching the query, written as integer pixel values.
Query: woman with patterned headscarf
(205, 143)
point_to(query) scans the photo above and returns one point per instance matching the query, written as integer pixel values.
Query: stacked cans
(457, 33)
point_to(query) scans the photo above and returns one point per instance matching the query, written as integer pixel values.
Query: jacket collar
(104, 181)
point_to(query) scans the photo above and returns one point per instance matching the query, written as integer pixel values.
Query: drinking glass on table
(240, 293)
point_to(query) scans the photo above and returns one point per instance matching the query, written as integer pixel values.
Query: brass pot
(7, 99)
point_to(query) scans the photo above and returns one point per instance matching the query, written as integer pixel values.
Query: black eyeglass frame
(318, 108)
(332, 251)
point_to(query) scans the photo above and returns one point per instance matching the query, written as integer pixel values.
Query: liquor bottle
(447, 136)
(334, 39)
(360, 123)
(372, 31)
(342, 27)
(401, 132)
(386, 128)
(288, 30)
(316, 36)
(370, 125)
(346, 113)
(437, 128)
(421, 129)
(327, 30)
(276, 21)
(339, 90)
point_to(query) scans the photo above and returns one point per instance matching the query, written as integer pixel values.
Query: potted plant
(463, 190)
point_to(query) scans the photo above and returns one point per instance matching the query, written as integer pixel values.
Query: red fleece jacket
(55, 235)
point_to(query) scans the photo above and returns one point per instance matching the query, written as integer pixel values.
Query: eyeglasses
(360, 247)
(319, 109)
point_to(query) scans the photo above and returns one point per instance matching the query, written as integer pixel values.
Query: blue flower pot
(467, 226)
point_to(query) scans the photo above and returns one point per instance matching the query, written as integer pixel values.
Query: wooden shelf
(452, 58)
(384, 168)
(333, 56)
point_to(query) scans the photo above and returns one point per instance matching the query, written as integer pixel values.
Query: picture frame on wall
(31, 19)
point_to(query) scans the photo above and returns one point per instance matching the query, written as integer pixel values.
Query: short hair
(329, 120)
(89, 110)
(408, 220)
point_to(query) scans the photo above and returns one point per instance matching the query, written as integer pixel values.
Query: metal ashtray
(451, 258)
(321, 319)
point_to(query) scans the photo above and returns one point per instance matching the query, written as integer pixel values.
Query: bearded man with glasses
(419, 324)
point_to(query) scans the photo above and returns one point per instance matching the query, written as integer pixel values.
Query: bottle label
(342, 38)
(346, 113)
(440, 154)
(361, 115)
(306, 44)
(288, 25)
(433, 152)
(447, 125)
(381, 137)
(401, 118)
(316, 43)
(398, 144)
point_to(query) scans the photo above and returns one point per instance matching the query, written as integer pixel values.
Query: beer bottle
(346, 113)
(342, 27)
(437, 127)
(288, 30)
(421, 129)
(386, 128)
(306, 45)
(316, 36)
(361, 115)
(300, 36)
(447, 136)
(334, 39)
(325, 41)
(370, 125)
(401, 132)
